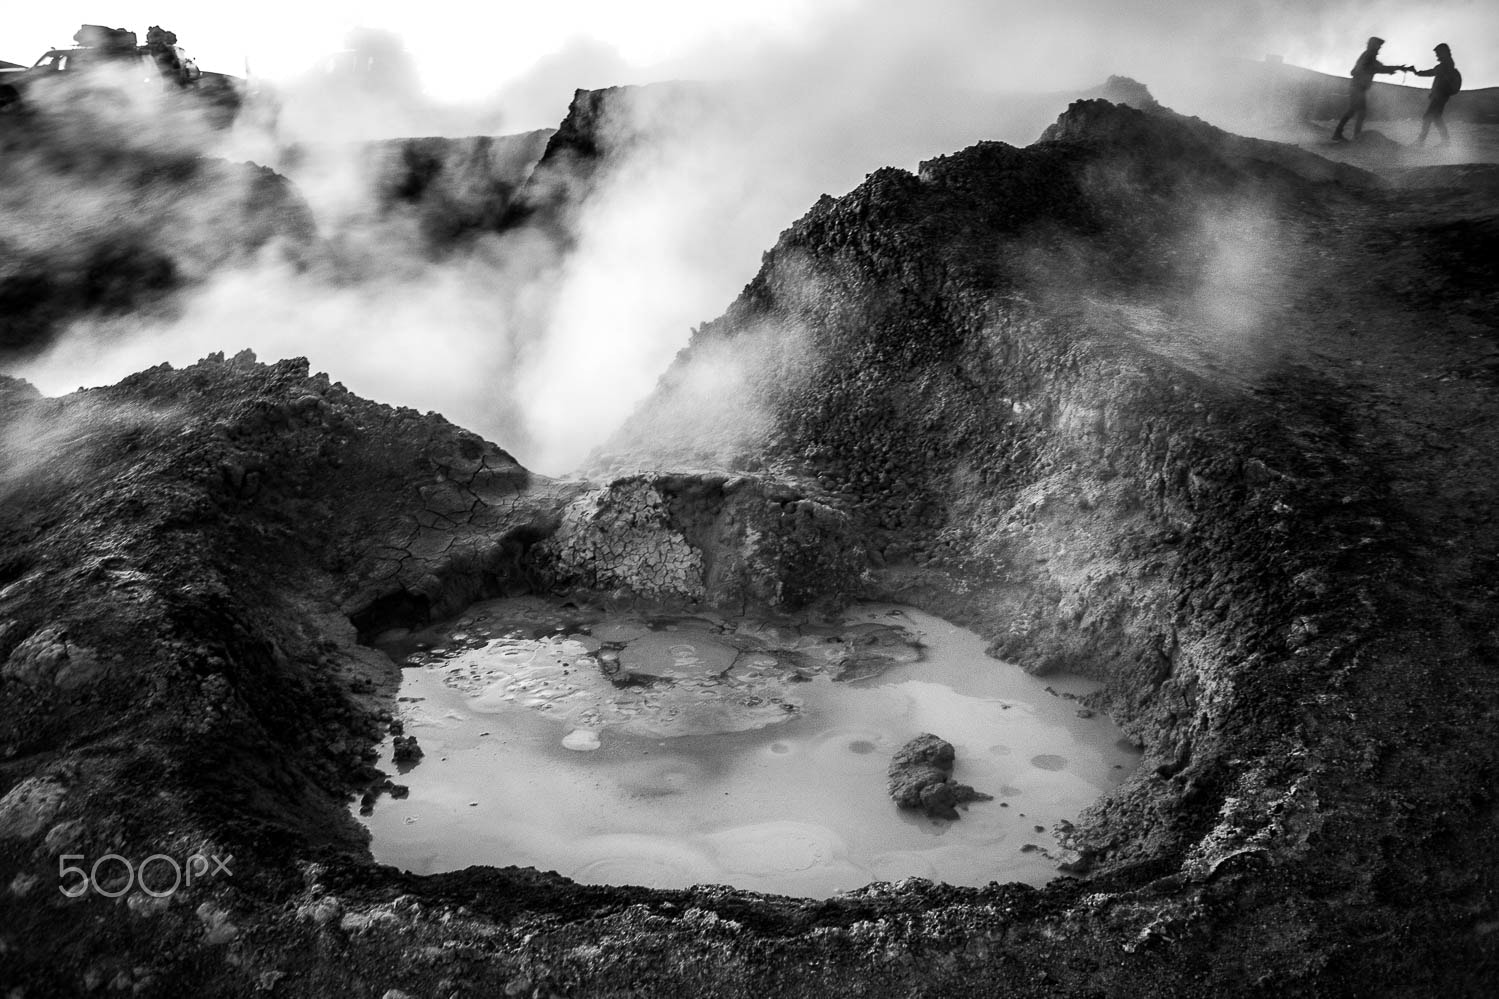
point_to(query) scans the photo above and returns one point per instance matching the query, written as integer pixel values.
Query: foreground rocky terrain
(1208, 419)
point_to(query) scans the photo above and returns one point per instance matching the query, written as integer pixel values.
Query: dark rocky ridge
(1244, 519)
(458, 188)
(601, 130)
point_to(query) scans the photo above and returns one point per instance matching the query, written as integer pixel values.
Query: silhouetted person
(1358, 88)
(1446, 81)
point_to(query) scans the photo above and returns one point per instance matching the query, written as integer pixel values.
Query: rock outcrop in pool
(921, 777)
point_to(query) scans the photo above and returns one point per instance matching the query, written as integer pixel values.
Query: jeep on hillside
(108, 68)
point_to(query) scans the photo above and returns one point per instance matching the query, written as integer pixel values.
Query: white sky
(461, 48)
(464, 50)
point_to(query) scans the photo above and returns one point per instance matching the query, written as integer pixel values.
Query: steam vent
(1207, 422)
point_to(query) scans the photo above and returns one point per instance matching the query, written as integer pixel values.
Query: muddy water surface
(677, 751)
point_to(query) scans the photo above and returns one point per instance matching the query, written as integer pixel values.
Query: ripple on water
(900, 864)
(631, 859)
(771, 848)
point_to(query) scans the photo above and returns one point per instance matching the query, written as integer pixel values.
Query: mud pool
(672, 751)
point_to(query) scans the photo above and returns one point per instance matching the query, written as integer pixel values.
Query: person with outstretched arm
(1446, 81)
(1358, 88)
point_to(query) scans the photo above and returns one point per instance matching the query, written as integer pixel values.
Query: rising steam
(546, 345)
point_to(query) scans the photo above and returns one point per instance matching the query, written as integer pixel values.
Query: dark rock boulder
(405, 749)
(919, 777)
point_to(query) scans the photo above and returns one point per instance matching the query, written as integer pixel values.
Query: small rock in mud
(405, 749)
(919, 778)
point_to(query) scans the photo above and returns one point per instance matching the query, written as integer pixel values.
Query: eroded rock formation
(921, 777)
(745, 540)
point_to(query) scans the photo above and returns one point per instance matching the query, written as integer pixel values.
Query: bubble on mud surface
(1047, 761)
(851, 750)
(770, 848)
(581, 740)
(674, 777)
(619, 632)
(677, 655)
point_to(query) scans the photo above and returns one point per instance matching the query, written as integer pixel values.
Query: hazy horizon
(520, 62)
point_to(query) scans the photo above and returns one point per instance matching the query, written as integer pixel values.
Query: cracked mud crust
(1267, 530)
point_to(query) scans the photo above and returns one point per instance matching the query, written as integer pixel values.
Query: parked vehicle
(108, 66)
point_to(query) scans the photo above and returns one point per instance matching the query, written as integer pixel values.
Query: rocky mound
(920, 776)
(1140, 401)
(1106, 399)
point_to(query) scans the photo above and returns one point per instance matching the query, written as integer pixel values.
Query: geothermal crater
(1209, 421)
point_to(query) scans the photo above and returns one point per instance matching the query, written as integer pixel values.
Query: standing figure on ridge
(1446, 81)
(1358, 88)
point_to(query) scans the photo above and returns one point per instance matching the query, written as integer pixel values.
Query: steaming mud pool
(671, 751)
